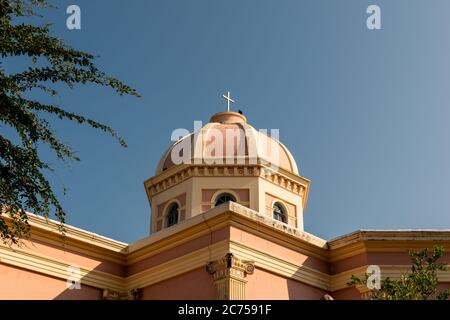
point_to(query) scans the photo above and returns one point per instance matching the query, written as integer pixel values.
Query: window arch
(279, 212)
(223, 198)
(172, 215)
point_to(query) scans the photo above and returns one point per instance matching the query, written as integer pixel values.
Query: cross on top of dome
(229, 100)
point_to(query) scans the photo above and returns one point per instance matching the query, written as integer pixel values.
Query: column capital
(108, 294)
(229, 274)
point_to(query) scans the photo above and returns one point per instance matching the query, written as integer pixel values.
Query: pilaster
(229, 275)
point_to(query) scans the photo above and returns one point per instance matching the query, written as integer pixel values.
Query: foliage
(419, 284)
(23, 184)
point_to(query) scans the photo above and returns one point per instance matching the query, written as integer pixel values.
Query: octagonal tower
(226, 160)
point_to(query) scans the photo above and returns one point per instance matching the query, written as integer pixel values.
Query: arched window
(172, 215)
(223, 198)
(279, 213)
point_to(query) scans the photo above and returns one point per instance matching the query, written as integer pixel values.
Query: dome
(228, 139)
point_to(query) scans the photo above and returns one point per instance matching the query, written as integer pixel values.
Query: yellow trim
(76, 239)
(74, 233)
(184, 172)
(231, 214)
(228, 215)
(99, 253)
(219, 217)
(366, 241)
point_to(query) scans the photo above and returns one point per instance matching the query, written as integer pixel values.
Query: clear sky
(365, 113)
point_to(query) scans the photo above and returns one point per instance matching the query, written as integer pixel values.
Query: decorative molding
(229, 275)
(118, 286)
(134, 294)
(392, 235)
(288, 181)
(243, 256)
(75, 239)
(367, 241)
(364, 291)
(109, 294)
(73, 233)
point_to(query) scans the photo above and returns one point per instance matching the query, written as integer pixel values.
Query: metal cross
(229, 100)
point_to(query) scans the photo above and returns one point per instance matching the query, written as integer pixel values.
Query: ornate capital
(134, 294)
(364, 291)
(229, 275)
(229, 265)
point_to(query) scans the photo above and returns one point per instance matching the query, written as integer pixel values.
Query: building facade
(227, 205)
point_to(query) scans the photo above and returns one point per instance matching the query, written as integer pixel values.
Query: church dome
(228, 139)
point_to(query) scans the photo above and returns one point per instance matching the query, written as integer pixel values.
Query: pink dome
(228, 138)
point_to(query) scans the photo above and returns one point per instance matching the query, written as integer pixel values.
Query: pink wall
(265, 285)
(16, 283)
(277, 250)
(178, 251)
(350, 293)
(376, 258)
(193, 285)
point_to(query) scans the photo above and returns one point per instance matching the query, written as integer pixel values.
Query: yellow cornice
(80, 247)
(92, 244)
(194, 260)
(348, 251)
(191, 261)
(349, 245)
(214, 219)
(227, 215)
(234, 215)
(73, 233)
(180, 168)
(178, 174)
(364, 241)
(389, 235)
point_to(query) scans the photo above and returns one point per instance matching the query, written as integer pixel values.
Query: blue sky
(365, 113)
